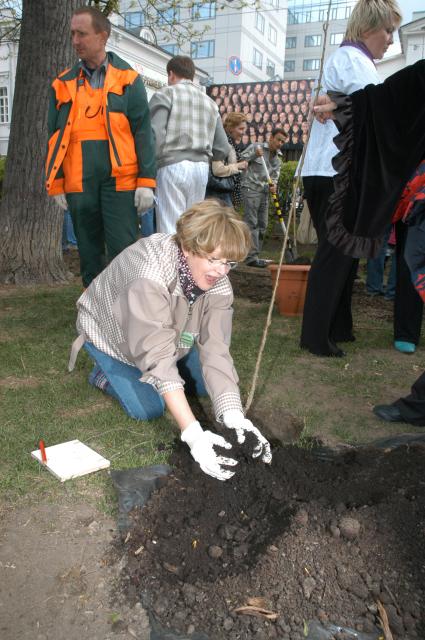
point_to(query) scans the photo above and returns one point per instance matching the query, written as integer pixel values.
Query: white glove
(61, 201)
(235, 419)
(143, 199)
(201, 447)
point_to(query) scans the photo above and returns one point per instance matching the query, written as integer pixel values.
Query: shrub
(286, 178)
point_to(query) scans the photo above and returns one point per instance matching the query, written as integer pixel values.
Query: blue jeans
(138, 399)
(68, 235)
(147, 223)
(375, 272)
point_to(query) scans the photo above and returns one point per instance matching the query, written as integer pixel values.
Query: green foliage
(285, 181)
(286, 176)
(106, 6)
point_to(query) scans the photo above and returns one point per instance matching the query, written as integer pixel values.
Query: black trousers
(327, 315)
(408, 306)
(412, 407)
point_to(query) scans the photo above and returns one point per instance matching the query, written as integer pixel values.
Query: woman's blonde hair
(372, 15)
(211, 224)
(233, 120)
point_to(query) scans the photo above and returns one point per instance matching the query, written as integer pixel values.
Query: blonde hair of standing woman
(372, 15)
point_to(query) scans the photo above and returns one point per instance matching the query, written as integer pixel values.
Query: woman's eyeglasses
(227, 264)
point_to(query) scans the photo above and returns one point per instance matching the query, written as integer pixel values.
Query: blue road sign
(235, 65)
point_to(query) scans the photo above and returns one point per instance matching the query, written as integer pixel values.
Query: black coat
(381, 142)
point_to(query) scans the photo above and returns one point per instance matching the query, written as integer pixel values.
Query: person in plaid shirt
(188, 134)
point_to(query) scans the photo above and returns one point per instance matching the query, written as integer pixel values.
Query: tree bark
(30, 221)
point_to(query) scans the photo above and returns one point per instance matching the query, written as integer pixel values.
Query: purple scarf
(189, 286)
(358, 45)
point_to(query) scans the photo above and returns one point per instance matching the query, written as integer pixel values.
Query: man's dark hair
(274, 132)
(98, 20)
(182, 67)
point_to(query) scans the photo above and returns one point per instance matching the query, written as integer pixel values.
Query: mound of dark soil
(306, 538)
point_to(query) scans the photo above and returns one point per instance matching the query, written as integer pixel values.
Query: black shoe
(257, 262)
(388, 412)
(348, 338)
(334, 351)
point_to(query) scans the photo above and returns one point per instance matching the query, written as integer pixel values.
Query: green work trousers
(105, 220)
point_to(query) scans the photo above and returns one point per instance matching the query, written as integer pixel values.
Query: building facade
(235, 44)
(8, 60)
(305, 37)
(305, 34)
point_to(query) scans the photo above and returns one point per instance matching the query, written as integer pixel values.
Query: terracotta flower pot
(290, 293)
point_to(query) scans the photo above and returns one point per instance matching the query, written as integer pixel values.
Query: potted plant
(292, 287)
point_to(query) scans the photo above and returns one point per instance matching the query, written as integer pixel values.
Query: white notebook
(71, 460)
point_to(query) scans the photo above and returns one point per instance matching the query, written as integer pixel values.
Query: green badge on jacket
(186, 340)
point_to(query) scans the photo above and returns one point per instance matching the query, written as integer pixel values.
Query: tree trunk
(30, 221)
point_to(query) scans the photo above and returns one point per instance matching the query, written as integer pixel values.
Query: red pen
(43, 451)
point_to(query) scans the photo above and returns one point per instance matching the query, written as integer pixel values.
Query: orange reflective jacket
(122, 117)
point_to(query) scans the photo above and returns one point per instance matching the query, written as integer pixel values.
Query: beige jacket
(222, 170)
(136, 312)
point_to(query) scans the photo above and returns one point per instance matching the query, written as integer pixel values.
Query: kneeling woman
(158, 320)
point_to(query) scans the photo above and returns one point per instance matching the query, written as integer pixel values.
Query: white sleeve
(349, 72)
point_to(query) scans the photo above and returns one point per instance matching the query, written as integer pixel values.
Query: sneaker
(374, 294)
(405, 347)
(98, 379)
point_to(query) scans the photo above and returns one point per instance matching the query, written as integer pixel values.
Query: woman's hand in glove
(235, 419)
(201, 444)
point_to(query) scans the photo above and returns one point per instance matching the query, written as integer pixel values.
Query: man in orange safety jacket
(101, 153)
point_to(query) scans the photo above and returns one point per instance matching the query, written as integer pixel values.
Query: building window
(312, 64)
(292, 17)
(203, 49)
(340, 13)
(202, 11)
(134, 19)
(289, 66)
(4, 105)
(270, 68)
(259, 21)
(171, 48)
(336, 38)
(257, 58)
(272, 34)
(291, 42)
(168, 16)
(299, 17)
(313, 41)
(275, 3)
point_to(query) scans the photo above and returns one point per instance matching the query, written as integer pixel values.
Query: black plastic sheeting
(384, 444)
(135, 486)
(314, 631)
(159, 633)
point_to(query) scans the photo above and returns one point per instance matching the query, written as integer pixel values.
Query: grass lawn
(40, 399)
